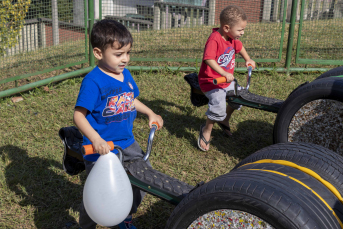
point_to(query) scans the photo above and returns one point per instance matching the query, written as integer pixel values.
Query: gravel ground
(319, 122)
(225, 218)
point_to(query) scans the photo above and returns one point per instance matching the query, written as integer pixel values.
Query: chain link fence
(47, 42)
(52, 38)
(177, 30)
(320, 30)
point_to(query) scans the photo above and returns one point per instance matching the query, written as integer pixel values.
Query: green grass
(35, 192)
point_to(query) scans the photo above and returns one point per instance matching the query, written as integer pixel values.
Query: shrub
(12, 16)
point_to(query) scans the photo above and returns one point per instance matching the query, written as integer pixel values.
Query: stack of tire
(327, 86)
(287, 185)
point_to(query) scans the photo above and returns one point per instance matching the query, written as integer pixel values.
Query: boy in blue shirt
(107, 104)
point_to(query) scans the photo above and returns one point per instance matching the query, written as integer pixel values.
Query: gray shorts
(217, 102)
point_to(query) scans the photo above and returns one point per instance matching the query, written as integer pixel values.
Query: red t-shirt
(222, 51)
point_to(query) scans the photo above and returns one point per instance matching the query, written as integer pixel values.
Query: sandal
(224, 129)
(201, 137)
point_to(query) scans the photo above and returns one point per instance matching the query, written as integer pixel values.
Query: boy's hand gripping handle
(219, 80)
(222, 79)
(88, 149)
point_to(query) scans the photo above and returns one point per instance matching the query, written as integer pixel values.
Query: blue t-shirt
(110, 105)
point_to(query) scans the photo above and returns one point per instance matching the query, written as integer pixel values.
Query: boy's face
(113, 59)
(236, 31)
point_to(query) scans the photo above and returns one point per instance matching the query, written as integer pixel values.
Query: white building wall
(122, 7)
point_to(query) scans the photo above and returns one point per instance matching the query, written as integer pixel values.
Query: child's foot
(203, 144)
(225, 128)
(127, 223)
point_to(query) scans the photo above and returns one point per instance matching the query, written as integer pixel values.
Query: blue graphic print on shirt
(225, 59)
(110, 105)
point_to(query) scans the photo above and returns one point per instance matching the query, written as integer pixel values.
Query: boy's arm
(215, 66)
(247, 59)
(142, 108)
(100, 145)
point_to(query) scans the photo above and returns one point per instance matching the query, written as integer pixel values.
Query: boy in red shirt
(219, 60)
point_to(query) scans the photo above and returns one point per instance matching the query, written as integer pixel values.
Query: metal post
(291, 35)
(55, 32)
(90, 26)
(267, 7)
(100, 9)
(157, 16)
(85, 23)
(182, 22)
(211, 13)
(300, 28)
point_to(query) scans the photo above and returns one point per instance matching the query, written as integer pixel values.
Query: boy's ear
(226, 28)
(97, 53)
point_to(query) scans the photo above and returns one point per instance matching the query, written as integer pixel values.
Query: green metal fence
(283, 35)
(320, 30)
(49, 43)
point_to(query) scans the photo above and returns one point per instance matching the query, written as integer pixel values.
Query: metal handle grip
(249, 76)
(150, 140)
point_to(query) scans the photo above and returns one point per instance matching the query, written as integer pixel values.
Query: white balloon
(107, 194)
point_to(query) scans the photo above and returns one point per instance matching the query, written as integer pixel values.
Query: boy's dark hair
(107, 31)
(231, 15)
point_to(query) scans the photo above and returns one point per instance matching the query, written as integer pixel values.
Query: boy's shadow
(38, 186)
(250, 136)
(156, 216)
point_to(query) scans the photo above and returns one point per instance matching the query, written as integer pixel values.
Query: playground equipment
(288, 185)
(300, 117)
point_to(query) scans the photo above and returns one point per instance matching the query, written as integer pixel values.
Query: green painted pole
(140, 68)
(299, 30)
(90, 26)
(243, 69)
(283, 30)
(100, 9)
(85, 2)
(43, 82)
(291, 35)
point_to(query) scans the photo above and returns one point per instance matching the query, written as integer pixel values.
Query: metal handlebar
(249, 77)
(248, 81)
(150, 139)
(121, 155)
(236, 87)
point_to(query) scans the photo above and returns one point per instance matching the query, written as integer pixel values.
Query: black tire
(326, 163)
(333, 72)
(278, 200)
(321, 190)
(325, 89)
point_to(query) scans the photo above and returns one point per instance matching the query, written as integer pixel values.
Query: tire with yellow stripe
(313, 159)
(276, 199)
(317, 192)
